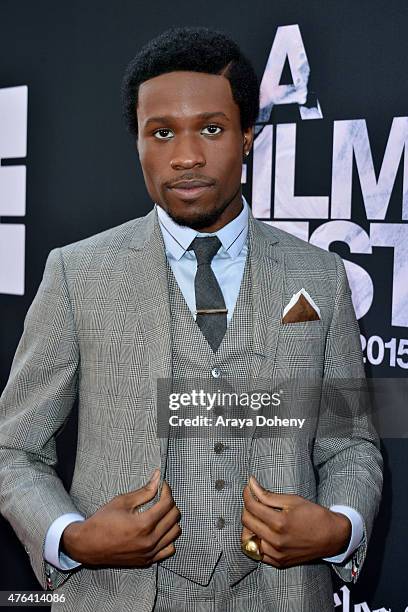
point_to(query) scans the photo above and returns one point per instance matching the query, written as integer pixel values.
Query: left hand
(292, 529)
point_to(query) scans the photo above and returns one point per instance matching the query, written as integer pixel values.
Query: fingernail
(253, 482)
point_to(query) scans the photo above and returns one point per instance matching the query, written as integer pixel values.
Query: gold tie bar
(212, 311)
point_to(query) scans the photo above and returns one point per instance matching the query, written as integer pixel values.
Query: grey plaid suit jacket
(99, 327)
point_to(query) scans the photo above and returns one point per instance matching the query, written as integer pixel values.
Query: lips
(192, 193)
(190, 190)
(190, 184)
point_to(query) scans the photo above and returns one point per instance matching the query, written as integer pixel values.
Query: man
(113, 316)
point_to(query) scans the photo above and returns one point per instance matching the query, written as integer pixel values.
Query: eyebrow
(204, 116)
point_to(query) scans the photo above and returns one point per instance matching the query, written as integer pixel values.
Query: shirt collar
(177, 238)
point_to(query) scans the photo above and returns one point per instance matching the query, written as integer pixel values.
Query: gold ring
(252, 548)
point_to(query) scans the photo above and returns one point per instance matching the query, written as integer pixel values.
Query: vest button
(219, 448)
(220, 522)
(216, 372)
(219, 484)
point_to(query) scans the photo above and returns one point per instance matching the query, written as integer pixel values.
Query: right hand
(118, 535)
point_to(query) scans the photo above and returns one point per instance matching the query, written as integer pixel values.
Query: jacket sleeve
(346, 449)
(34, 406)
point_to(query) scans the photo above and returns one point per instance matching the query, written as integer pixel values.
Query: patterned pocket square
(301, 308)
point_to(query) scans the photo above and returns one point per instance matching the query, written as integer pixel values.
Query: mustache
(199, 179)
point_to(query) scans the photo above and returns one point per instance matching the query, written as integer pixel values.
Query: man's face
(190, 133)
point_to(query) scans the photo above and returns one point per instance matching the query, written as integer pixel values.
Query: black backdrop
(83, 176)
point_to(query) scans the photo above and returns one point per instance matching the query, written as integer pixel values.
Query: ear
(248, 139)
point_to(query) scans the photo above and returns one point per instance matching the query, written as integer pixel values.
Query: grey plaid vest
(207, 474)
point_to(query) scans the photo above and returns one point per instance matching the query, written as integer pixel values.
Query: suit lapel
(267, 279)
(147, 261)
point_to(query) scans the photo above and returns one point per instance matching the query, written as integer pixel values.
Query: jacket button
(219, 484)
(220, 522)
(219, 448)
(216, 372)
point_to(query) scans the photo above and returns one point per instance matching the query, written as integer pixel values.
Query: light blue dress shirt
(228, 266)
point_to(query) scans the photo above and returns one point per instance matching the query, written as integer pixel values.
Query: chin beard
(201, 220)
(197, 222)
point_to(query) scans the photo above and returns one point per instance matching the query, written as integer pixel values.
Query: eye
(161, 137)
(213, 127)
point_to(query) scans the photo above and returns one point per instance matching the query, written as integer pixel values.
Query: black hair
(196, 49)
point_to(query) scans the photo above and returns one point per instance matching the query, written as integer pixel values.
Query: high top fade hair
(196, 49)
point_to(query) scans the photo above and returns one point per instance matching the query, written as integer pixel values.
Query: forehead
(183, 93)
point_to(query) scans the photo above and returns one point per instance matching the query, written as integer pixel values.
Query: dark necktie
(210, 304)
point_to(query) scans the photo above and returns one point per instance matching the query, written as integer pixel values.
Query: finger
(246, 534)
(169, 537)
(161, 507)
(279, 501)
(164, 553)
(266, 514)
(272, 561)
(144, 494)
(166, 523)
(166, 491)
(272, 552)
(268, 551)
(255, 525)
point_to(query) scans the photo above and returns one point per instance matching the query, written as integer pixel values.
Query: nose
(187, 153)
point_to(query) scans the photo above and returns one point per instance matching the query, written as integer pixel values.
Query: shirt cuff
(52, 552)
(357, 532)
